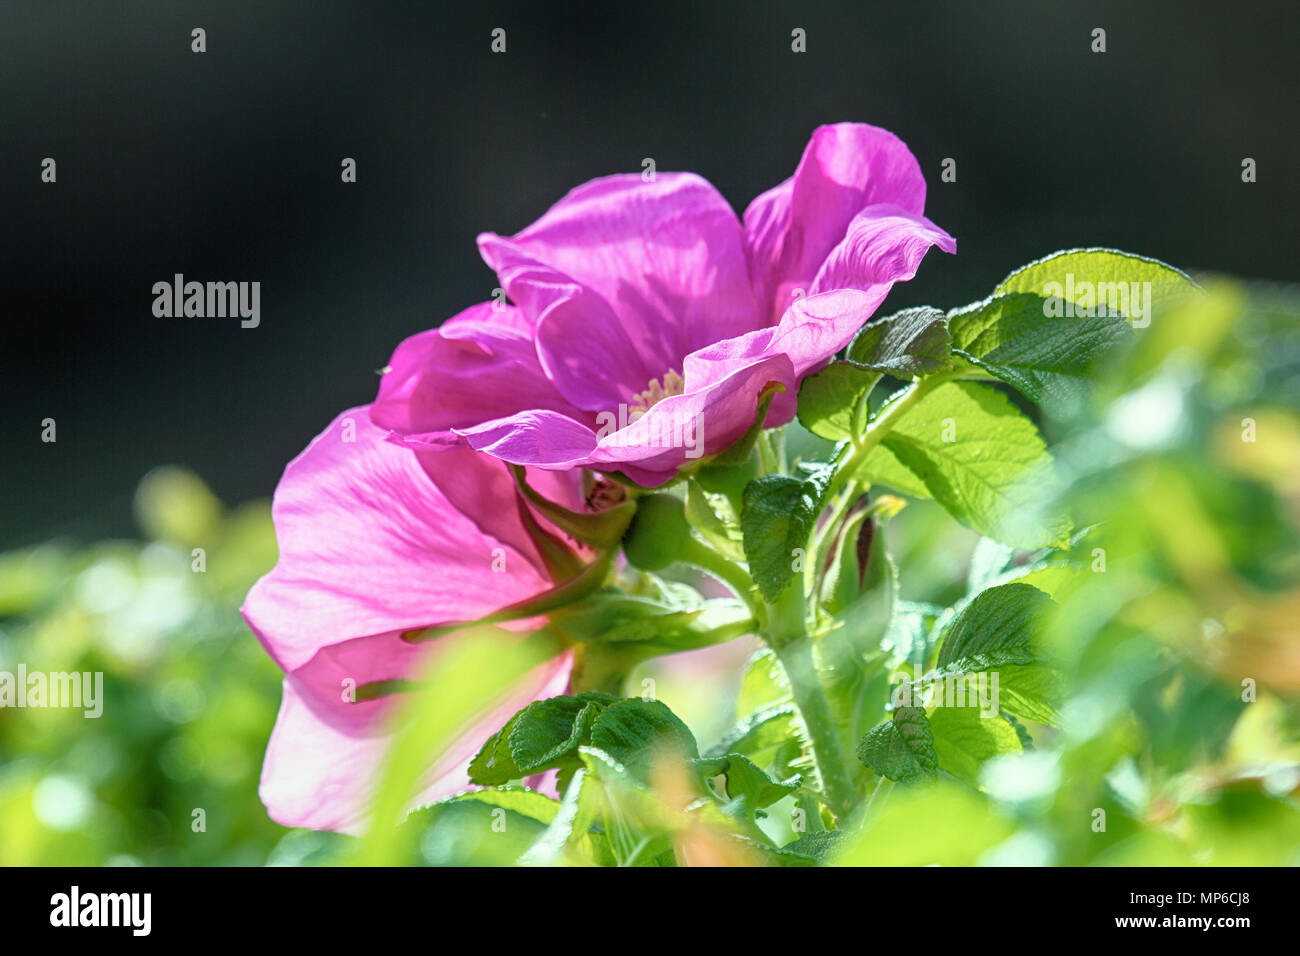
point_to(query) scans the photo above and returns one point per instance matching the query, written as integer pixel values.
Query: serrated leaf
(636, 732)
(1070, 269)
(1002, 621)
(979, 457)
(521, 800)
(1032, 692)
(750, 789)
(964, 739)
(544, 735)
(493, 830)
(778, 516)
(762, 734)
(817, 847)
(763, 686)
(569, 831)
(1049, 358)
(831, 402)
(905, 344)
(902, 748)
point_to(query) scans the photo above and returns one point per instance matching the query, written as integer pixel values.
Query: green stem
(883, 422)
(700, 555)
(788, 638)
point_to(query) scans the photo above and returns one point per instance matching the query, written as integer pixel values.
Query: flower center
(642, 402)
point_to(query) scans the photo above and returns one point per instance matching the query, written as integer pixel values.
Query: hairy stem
(788, 638)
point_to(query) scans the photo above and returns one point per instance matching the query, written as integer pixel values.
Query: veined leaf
(905, 344)
(778, 516)
(1000, 621)
(830, 400)
(1086, 278)
(902, 748)
(979, 457)
(964, 739)
(1016, 338)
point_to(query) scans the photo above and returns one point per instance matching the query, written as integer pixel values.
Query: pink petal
(667, 257)
(717, 406)
(582, 346)
(883, 245)
(541, 438)
(792, 228)
(369, 545)
(325, 755)
(479, 364)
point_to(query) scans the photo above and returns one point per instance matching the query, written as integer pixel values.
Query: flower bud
(658, 533)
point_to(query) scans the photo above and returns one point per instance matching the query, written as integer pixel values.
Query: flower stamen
(642, 402)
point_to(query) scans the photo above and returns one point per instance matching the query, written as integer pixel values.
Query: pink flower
(647, 319)
(377, 540)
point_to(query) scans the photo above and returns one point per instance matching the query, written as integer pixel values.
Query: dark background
(225, 166)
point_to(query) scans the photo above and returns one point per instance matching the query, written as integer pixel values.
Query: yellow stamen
(643, 401)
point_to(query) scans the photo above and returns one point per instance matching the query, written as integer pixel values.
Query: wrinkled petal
(582, 346)
(480, 363)
(541, 438)
(668, 257)
(718, 405)
(812, 330)
(792, 228)
(883, 245)
(325, 755)
(369, 545)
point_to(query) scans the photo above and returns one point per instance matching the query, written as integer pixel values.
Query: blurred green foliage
(168, 773)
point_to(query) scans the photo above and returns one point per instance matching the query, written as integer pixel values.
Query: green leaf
(486, 827)
(1000, 625)
(569, 832)
(761, 735)
(831, 401)
(818, 847)
(906, 344)
(612, 616)
(521, 800)
(713, 518)
(763, 686)
(1048, 358)
(1031, 692)
(979, 457)
(634, 732)
(987, 563)
(964, 739)
(1079, 275)
(750, 789)
(777, 517)
(998, 631)
(544, 735)
(902, 748)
